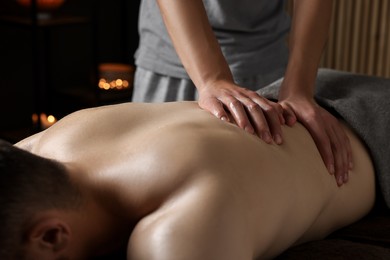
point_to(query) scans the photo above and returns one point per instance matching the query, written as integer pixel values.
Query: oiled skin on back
(203, 188)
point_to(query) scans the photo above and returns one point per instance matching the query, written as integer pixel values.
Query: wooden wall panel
(359, 37)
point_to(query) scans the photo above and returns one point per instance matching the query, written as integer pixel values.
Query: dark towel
(364, 103)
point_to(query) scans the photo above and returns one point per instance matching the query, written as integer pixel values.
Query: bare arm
(308, 36)
(309, 33)
(200, 53)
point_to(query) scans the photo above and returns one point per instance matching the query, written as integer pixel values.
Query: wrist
(214, 81)
(296, 91)
(298, 84)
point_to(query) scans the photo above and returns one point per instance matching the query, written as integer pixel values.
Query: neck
(103, 231)
(101, 227)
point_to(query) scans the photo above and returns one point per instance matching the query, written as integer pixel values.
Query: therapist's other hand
(326, 131)
(250, 111)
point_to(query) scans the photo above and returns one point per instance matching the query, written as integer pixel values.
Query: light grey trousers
(151, 87)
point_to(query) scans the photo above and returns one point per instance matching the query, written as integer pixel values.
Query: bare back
(207, 185)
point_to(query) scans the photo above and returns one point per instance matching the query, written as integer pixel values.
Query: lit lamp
(115, 76)
(45, 121)
(44, 7)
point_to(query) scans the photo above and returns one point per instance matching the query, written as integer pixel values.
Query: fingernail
(278, 139)
(249, 129)
(224, 118)
(290, 121)
(331, 169)
(350, 165)
(267, 137)
(345, 177)
(340, 180)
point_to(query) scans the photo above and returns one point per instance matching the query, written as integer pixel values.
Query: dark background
(359, 42)
(107, 33)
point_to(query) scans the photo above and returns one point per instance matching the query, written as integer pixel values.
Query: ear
(50, 234)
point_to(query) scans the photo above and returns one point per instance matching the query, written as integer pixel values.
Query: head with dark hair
(29, 184)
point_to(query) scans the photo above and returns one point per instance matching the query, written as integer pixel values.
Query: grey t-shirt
(251, 33)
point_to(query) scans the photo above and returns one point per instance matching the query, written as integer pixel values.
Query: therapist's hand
(330, 138)
(250, 111)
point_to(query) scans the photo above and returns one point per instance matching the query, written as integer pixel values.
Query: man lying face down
(170, 181)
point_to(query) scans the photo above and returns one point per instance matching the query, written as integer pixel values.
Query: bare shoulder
(30, 142)
(200, 221)
(113, 119)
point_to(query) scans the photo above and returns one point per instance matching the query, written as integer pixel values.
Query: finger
(346, 151)
(349, 150)
(340, 155)
(239, 114)
(276, 106)
(273, 113)
(279, 110)
(323, 143)
(258, 119)
(215, 107)
(289, 115)
(273, 119)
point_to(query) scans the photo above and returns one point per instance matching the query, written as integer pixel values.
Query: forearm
(311, 19)
(199, 51)
(309, 32)
(194, 41)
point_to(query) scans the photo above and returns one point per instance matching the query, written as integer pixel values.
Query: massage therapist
(220, 51)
